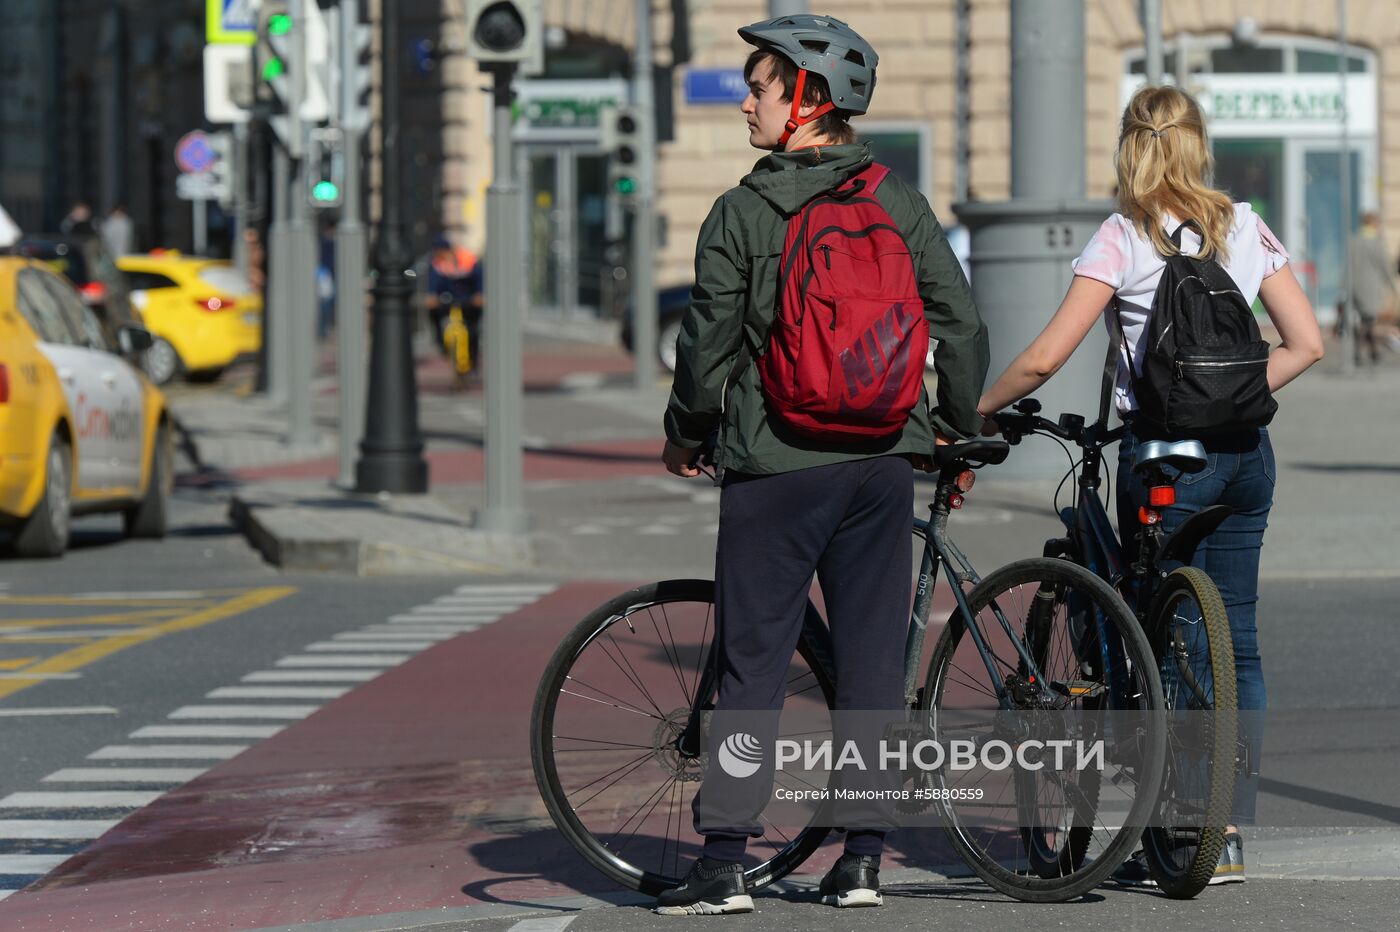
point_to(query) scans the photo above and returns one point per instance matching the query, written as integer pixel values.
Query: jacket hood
(787, 180)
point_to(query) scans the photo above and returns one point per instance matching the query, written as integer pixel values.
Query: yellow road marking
(122, 618)
(70, 600)
(14, 663)
(88, 653)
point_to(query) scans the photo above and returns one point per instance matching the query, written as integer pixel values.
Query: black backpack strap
(1116, 339)
(1176, 234)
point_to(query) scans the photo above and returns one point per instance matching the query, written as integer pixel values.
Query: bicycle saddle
(972, 452)
(1186, 456)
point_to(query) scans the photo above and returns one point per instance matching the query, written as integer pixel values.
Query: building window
(904, 147)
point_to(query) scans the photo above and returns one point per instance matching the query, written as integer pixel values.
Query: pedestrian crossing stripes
(168, 752)
(201, 735)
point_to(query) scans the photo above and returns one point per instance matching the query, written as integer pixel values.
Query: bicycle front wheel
(1048, 834)
(1191, 637)
(606, 737)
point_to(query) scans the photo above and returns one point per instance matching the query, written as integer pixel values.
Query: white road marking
(62, 710)
(98, 799)
(168, 752)
(322, 660)
(41, 676)
(589, 530)
(658, 530)
(493, 610)
(464, 618)
(354, 646)
(278, 692)
(35, 864)
(434, 632)
(5, 893)
(243, 711)
(533, 588)
(543, 924)
(206, 731)
(174, 775)
(53, 829)
(311, 676)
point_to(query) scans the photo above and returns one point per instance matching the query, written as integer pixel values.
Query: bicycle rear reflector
(1148, 516)
(1161, 496)
(965, 480)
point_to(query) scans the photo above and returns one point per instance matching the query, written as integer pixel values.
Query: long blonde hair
(1165, 167)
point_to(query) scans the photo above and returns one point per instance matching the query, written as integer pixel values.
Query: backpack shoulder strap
(872, 175)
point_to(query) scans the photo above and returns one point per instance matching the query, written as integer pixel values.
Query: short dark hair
(815, 92)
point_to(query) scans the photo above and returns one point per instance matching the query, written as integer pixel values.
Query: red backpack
(845, 357)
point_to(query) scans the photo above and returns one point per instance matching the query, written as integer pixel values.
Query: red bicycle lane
(412, 792)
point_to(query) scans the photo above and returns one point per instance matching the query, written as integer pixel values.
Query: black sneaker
(712, 888)
(1134, 872)
(1230, 869)
(854, 880)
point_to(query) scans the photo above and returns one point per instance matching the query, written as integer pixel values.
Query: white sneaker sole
(854, 898)
(732, 904)
(1218, 879)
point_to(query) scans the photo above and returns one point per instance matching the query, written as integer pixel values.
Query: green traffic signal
(279, 24)
(325, 191)
(625, 185)
(274, 68)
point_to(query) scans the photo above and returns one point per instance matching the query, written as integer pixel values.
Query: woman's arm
(1292, 314)
(1081, 308)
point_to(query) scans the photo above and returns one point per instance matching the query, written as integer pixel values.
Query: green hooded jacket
(735, 299)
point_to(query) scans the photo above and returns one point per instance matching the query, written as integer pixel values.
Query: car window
(42, 310)
(148, 281)
(225, 279)
(73, 310)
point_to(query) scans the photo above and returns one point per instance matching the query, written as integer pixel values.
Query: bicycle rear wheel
(1048, 835)
(605, 737)
(1191, 638)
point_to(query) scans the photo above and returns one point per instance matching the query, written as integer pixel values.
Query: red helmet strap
(795, 121)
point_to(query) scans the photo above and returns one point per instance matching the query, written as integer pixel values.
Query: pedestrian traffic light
(273, 50)
(325, 167)
(621, 135)
(506, 31)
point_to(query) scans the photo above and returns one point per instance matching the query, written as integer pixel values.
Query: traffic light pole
(301, 249)
(504, 511)
(279, 292)
(350, 260)
(391, 457)
(644, 310)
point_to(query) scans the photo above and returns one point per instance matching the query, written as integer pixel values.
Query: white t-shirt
(1127, 262)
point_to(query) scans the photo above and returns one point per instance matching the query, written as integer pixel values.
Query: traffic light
(325, 167)
(506, 31)
(621, 132)
(272, 52)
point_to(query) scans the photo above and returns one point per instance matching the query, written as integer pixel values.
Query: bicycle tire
(543, 752)
(1183, 869)
(1029, 885)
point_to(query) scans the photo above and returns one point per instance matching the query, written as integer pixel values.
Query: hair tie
(1156, 134)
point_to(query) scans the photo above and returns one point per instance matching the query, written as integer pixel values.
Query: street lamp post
(391, 457)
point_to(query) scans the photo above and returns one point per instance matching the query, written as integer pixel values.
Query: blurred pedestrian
(118, 232)
(78, 221)
(1373, 290)
(325, 282)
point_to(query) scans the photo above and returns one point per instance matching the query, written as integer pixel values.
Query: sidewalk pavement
(592, 471)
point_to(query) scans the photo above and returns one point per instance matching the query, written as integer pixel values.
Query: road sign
(715, 86)
(205, 187)
(230, 22)
(194, 153)
(228, 83)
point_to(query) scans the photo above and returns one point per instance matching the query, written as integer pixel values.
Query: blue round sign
(194, 154)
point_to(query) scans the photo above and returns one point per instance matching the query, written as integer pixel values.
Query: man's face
(764, 109)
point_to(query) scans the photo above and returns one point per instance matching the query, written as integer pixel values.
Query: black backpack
(1203, 362)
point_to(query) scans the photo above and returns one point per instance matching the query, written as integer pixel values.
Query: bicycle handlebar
(1025, 419)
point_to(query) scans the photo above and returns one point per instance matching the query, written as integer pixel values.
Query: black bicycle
(620, 724)
(1184, 617)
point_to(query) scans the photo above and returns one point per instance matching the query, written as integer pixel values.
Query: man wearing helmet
(794, 503)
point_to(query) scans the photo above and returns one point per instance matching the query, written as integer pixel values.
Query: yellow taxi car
(203, 313)
(81, 428)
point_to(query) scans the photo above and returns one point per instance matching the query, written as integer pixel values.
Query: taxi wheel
(45, 532)
(162, 363)
(147, 518)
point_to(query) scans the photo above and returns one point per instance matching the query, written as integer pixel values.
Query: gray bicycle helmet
(824, 46)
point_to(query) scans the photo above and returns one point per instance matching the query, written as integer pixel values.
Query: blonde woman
(1165, 169)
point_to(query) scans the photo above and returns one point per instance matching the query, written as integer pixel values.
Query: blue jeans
(1240, 472)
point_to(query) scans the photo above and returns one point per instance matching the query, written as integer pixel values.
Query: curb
(308, 530)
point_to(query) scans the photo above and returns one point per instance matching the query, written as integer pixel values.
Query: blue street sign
(230, 22)
(715, 86)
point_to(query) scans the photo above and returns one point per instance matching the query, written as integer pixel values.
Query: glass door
(566, 227)
(1325, 228)
(542, 226)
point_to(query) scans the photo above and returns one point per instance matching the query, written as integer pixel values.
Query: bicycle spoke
(616, 703)
(671, 651)
(631, 766)
(630, 673)
(615, 745)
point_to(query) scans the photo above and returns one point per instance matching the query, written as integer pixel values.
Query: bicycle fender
(1181, 544)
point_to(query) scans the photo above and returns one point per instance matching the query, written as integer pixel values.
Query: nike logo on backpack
(874, 353)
